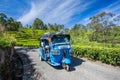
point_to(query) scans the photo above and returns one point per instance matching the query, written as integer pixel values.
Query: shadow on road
(30, 72)
(25, 49)
(75, 62)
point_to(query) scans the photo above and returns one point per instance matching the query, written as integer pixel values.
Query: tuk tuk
(55, 49)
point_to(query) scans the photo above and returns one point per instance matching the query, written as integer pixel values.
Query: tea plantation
(25, 38)
(106, 55)
(91, 50)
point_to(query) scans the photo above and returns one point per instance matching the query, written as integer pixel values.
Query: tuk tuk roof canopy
(46, 36)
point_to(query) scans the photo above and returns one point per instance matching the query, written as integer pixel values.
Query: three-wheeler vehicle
(55, 49)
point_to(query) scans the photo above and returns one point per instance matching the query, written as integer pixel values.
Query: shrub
(6, 41)
(106, 55)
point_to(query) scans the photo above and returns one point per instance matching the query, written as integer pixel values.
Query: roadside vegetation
(5, 39)
(98, 40)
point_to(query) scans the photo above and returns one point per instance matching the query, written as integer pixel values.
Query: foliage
(38, 24)
(55, 27)
(99, 40)
(6, 41)
(106, 55)
(103, 26)
(24, 38)
(3, 19)
(79, 35)
(13, 25)
(27, 42)
(8, 23)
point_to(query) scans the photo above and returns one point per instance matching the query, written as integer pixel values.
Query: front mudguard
(42, 55)
(66, 61)
(40, 51)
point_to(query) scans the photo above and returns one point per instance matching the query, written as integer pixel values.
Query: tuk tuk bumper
(66, 61)
(55, 64)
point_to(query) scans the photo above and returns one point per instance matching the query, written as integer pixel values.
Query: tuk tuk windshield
(60, 38)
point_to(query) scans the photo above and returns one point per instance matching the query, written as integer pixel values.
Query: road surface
(80, 69)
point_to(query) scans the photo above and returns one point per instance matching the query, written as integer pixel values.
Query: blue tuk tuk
(55, 49)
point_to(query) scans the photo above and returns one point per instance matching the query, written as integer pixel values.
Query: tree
(77, 26)
(77, 29)
(55, 27)
(13, 25)
(115, 31)
(101, 24)
(3, 19)
(78, 33)
(67, 30)
(117, 19)
(38, 24)
(10, 24)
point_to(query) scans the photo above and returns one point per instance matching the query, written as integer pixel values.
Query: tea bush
(27, 43)
(106, 55)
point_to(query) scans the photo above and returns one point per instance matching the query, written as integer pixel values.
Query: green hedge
(28, 43)
(106, 55)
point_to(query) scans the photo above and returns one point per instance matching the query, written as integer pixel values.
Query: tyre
(41, 59)
(67, 67)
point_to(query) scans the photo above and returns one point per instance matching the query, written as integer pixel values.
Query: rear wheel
(67, 67)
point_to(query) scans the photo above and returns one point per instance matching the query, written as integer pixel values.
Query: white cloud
(54, 11)
(65, 11)
(29, 16)
(32, 14)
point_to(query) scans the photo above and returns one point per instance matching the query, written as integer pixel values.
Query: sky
(67, 12)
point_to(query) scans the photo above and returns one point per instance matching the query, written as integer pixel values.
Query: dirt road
(80, 69)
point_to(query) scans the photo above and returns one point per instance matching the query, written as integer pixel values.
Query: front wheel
(41, 59)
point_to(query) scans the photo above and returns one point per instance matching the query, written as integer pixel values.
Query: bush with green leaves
(6, 42)
(106, 55)
(27, 42)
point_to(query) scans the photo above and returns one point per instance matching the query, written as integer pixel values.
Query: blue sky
(67, 12)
